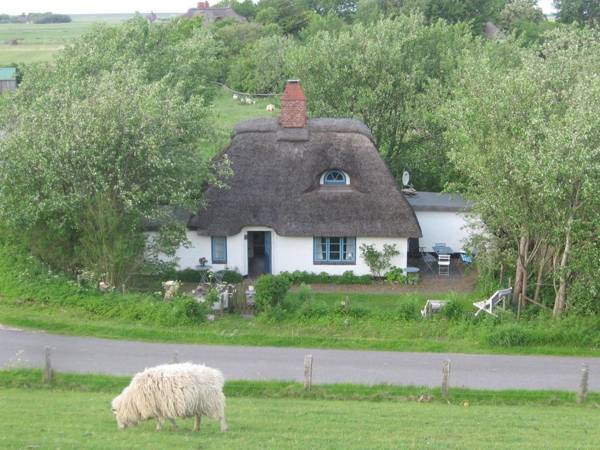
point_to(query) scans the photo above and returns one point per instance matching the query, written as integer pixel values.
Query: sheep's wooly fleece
(170, 391)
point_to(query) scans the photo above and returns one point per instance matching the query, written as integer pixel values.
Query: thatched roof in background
(276, 183)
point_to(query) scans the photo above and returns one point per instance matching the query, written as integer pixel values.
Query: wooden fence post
(48, 373)
(445, 377)
(308, 366)
(583, 384)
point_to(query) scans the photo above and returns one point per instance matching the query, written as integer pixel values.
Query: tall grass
(24, 280)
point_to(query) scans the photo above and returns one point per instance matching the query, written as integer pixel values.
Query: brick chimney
(293, 106)
(202, 5)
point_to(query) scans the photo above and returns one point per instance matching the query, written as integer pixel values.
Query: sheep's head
(123, 421)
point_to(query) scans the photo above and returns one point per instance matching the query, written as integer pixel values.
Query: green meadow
(41, 418)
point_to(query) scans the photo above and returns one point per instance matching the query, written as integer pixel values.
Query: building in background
(211, 15)
(8, 79)
(443, 218)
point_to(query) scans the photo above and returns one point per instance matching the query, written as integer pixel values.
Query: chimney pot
(293, 106)
(203, 5)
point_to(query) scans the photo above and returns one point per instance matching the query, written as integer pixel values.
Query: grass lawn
(235, 330)
(326, 332)
(230, 111)
(34, 418)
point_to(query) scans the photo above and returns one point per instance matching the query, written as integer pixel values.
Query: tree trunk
(540, 274)
(519, 271)
(524, 274)
(560, 301)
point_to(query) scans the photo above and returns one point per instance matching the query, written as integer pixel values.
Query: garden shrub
(346, 310)
(192, 310)
(231, 276)
(311, 310)
(395, 275)
(378, 261)
(453, 311)
(409, 310)
(348, 277)
(305, 294)
(212, 297)
(270, 291)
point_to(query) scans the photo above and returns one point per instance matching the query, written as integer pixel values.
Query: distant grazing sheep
(235, 96)
(270, 107)
(248, 101)
(169, 391)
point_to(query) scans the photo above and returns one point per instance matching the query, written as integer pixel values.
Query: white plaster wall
(288, 253)
(443, 226)
(187, 257)
(296, 253)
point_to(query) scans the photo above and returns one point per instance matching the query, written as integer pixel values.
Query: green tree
(583, 12)
(88, 136)
(330, 22)
(393, 75)
(261, 68)
(181, 53)
(520, 11)
(344, 9)
(474, 12)
(370, 11)
(525, 141)
(247, 8)
(290, 15)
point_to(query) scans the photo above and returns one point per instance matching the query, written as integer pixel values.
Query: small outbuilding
(8, 79)
(443, 218)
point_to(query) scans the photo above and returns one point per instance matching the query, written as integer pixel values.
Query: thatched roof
(276, 183)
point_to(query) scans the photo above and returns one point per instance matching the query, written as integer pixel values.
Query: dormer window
(335, 178)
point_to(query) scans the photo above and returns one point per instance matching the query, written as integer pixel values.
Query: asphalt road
(92, 355)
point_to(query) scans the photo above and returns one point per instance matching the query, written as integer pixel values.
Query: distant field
(37, 43)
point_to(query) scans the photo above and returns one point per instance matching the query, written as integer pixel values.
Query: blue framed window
(334, 250)
(218, 246)
(334, 177)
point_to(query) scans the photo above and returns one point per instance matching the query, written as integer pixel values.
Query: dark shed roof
(276, 183)
(438, 201)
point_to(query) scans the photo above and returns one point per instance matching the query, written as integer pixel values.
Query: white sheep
(235, 96)
(270, 107)
(248, 101)
(169, 391)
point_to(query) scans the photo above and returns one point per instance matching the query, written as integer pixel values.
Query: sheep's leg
(159, 423)
(173, 423)
(223, 423)
(197, 420)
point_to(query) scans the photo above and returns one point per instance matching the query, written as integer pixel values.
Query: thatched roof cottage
(305, 194)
